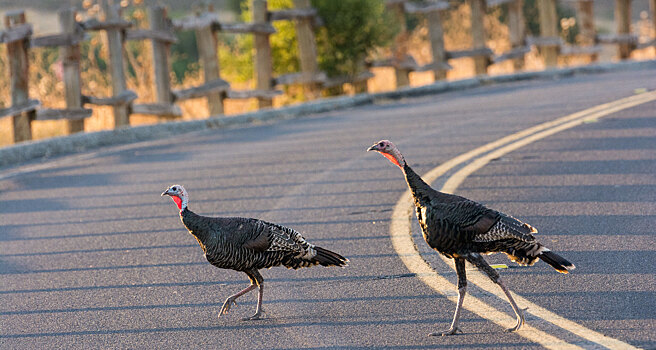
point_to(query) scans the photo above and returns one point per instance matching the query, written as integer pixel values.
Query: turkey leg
(482, 265)
(258, 309)
(256, 280)
(462, 290)
(232, 299)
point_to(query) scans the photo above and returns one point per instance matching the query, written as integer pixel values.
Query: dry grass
(46, 83)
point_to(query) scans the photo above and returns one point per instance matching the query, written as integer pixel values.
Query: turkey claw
(226, 306)
(256, 316)
(519, 324)
(450, 331)
(510, 330)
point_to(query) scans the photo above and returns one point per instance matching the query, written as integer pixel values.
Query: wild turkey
(247, 245)
(462, 229)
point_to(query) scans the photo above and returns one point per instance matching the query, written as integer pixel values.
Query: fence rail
(18, 37)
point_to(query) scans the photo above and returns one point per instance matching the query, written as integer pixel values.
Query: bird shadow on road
(219, 303)
(418, 347)
(630, 305)
(266, 323)
(287, 281)
(81, 235)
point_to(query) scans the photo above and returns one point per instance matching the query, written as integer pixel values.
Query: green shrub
(532, 19)
(351, 29)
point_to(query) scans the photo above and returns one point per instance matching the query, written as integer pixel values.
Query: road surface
(92, 257)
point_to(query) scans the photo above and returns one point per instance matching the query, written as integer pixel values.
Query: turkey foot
(256, 316)
(520, 322)
(518, 312)
(259, 309)
(226, 306)
(233, 299)
(450, 331)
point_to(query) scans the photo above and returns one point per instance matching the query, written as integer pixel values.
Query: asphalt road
(92, 257)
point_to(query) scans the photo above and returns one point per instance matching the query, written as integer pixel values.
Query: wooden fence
(23, 110)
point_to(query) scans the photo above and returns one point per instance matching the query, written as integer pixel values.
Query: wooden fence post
(652, 8)
(71, 62)
(623, 22)
(361, 86)
(116, 61)
(263, 60)
(400, 46)
(585, 17)
(158, 22)
(517, 30)
(478, 34)
(307, 49)
(548, 29)
(436, 36)
(19, 75)
(207, 49)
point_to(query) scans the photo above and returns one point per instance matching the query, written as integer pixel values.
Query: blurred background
(351, 31)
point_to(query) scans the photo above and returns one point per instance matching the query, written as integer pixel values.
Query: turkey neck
(421, 191)
(196, 226)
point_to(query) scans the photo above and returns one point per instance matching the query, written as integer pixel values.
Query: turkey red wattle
(391, 159)
(178, 201)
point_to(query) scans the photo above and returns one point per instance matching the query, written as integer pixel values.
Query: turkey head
(178, 194)
(389, 150)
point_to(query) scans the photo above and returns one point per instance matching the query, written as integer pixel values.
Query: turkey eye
(174, 188)
(380, 144)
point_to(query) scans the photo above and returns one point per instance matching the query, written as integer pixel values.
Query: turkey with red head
(247, 245)
(462, 229)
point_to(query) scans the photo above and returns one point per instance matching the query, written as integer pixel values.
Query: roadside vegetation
(352, 32)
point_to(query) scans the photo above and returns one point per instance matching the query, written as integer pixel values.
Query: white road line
(400, 229)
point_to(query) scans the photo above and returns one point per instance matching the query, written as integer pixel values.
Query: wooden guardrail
(482, 55)
(18, 37)
(23, 110)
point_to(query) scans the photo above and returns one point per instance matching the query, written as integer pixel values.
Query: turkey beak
(165, 193)
(372, 148)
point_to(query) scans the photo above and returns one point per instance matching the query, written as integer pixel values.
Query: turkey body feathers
(243, 244)
(462, 229)
(456, 226)
(247, 245)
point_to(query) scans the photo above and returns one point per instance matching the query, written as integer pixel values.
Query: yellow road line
(400, 229)
(546, 129)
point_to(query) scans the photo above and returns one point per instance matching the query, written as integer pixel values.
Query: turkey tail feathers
(558, 262)
(326, 257)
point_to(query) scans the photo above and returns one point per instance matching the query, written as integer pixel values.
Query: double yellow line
(400, 229)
